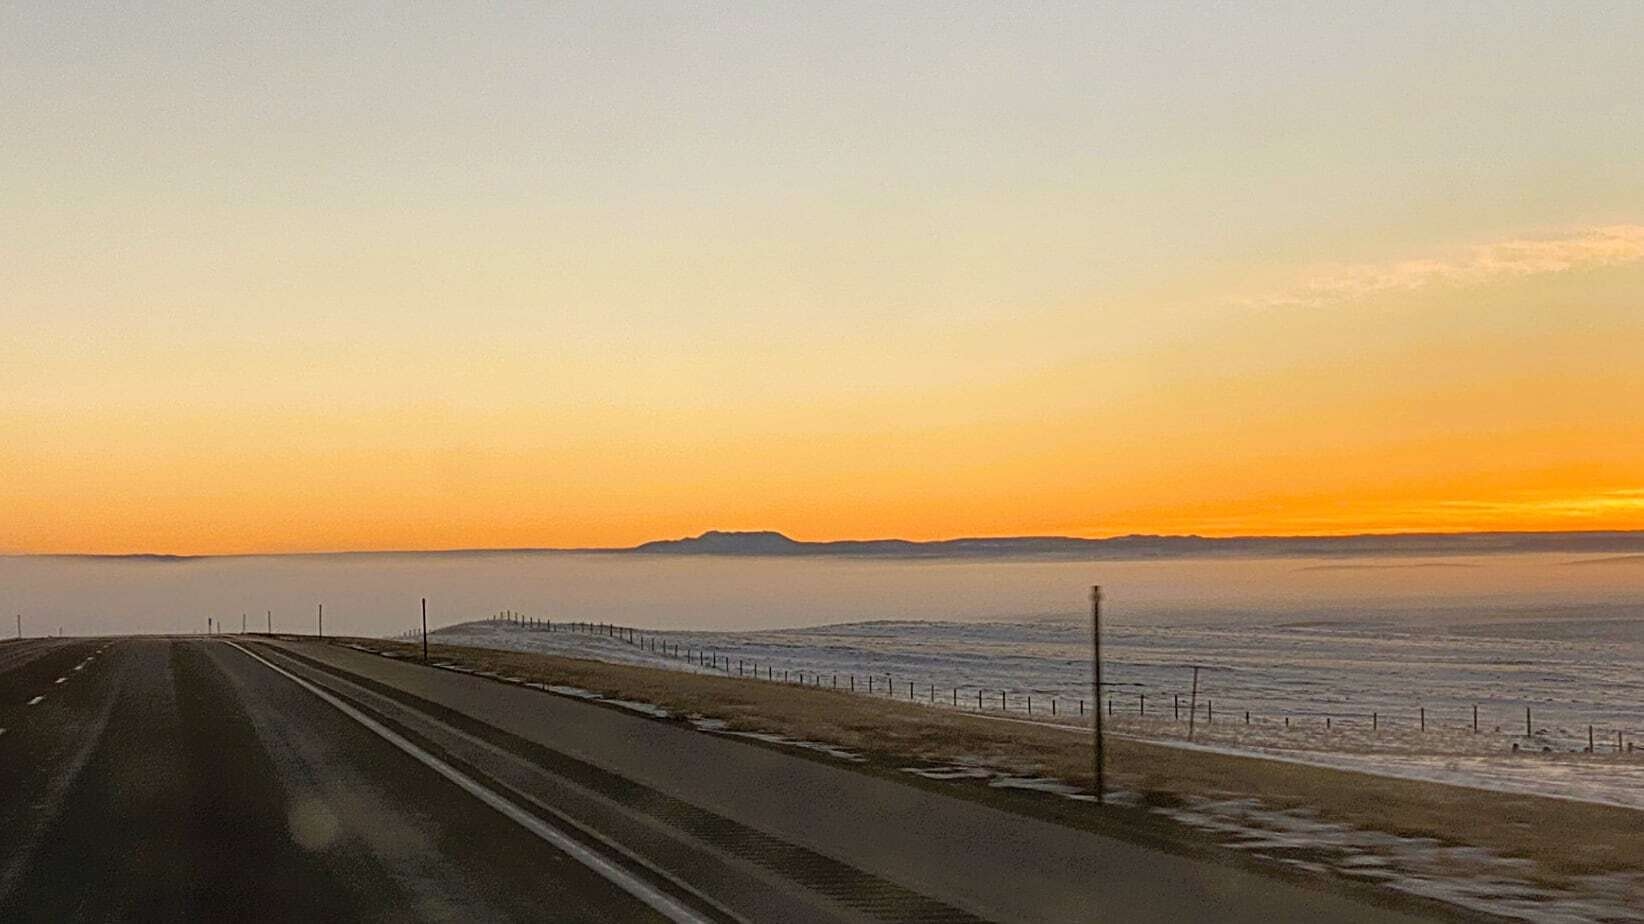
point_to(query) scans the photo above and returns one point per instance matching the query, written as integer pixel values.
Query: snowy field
(1343, 696)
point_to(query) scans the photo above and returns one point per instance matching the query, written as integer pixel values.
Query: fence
(1190, 712)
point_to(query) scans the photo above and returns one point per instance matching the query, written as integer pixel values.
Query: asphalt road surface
(246, 780)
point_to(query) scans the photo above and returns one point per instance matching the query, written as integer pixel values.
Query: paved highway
(219, 779)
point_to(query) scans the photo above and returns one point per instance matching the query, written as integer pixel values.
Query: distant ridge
(769, 543)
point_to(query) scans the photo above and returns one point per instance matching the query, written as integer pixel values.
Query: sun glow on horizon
(575, 277)
(1417, 419)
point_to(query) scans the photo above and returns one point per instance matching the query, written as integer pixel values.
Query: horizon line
(1016, 537)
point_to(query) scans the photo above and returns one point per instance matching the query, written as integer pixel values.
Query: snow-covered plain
(1342, 696)
(1446, 751)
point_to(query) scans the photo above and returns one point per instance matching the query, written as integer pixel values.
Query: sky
(385, 276)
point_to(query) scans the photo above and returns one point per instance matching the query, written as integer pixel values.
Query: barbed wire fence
(1156, 710)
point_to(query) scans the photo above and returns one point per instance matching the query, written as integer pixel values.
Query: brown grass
(1564, 838)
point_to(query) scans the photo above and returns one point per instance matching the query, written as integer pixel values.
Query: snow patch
(1468, 877)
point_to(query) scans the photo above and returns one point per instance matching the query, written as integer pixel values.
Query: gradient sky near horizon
(365, 276)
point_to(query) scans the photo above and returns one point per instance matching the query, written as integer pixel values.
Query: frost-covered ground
(1468, 877)
(1471, 878)
(1344, 696)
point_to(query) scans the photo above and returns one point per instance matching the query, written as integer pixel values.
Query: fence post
(1475, 718)
(1424, 718)
(1528, 733)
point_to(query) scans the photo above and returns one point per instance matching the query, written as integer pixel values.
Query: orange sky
(1422, 405)
(542, 278)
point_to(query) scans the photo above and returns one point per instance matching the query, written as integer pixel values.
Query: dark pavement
(182, 781)
(196, 779)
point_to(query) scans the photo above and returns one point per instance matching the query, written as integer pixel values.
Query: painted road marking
(36, 700)
(59, 680)
(624, 880)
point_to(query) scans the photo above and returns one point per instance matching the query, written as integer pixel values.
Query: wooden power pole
(1098, 758)
(1193, 704)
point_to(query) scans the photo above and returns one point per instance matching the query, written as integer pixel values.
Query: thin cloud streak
(1625, 499)
(1592, 248)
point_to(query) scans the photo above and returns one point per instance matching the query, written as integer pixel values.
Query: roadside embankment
(1508, 854)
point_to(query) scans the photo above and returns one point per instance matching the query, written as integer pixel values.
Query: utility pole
(425, 630)
(1097, 757)
(1193, 704)
(19, 625)
(270, 622)
(242, 623)
(322, 621)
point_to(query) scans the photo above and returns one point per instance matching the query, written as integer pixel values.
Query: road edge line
(644, 892)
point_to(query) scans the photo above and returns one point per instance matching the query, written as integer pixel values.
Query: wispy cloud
(1603, 504)
(1610, 245)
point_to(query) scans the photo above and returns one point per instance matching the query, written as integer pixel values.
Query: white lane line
(59, 680)
(657, 901)
(36, 700)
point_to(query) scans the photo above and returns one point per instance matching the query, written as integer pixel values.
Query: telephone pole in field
(1098, 758)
